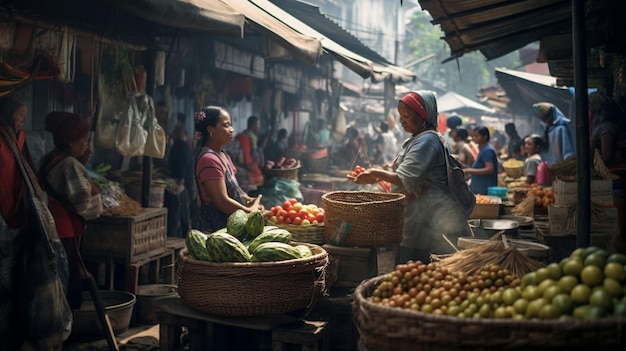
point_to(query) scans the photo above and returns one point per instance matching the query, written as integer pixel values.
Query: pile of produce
(282, 163)
(296, 213)
(536, 196)
(589, 284)
(482, 199)
(244, 239)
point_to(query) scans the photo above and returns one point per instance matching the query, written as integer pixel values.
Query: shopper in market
(72, 197)
(219, 190)
(178, 197)
(608, 128)
(34, 314)
(513, 142)
(420, 172)
(461, 149)
(251, 156)
(532, 146)
(484, 171)
(558, 144)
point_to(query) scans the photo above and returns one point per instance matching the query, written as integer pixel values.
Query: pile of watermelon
(245, 238)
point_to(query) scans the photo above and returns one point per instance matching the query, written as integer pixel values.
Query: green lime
(549, 311)
(573, 267)
(530, 278)
(564, 303)
(595, 259)
(510, 295)
(545, 284)
(601, 298)
(534, 307)
(551, 292)
(615, 270)
(520, 306)
(542, 274)
(596, 312)
(591, 275)
(619, 309)
(581, 311)
(531, 293)
(613, 287)
(580, 294)
(617, 258)
(555, 270)
(567, 283)
(589, 250)
(578, 253)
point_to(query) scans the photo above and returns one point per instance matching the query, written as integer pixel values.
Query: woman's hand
(256, 204)
(366, 177)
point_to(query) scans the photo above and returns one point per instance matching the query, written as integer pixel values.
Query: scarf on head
(424, 103)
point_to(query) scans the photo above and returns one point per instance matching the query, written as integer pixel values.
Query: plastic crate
(127, 239)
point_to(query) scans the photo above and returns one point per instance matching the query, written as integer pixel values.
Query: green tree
(465, 75)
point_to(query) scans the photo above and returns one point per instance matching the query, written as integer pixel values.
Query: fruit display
(282, 163)
(296, 213)
(221, 246)
(482, 199)
(357, 170)
(589, 284)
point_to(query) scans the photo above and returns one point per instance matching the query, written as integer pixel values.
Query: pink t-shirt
(211, 167)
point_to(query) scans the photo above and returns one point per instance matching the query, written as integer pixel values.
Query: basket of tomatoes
(305, 222)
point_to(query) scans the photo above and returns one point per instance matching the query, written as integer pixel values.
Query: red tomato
(281, 213)
(293, 214)
(280, 219)
(297, 221)
(303, 214)
(286, 204)
(293, 201)
(320, 217)
(287, 220)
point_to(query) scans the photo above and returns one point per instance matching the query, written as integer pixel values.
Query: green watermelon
(223, 247)
(304, 250)
(274, 251)
(255, 224)
(236, 224)
(195, 241)
(274, 235)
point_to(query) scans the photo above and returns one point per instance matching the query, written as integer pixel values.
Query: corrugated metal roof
(313, 17)
(497, 27)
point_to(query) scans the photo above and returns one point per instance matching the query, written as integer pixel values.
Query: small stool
(311, 335)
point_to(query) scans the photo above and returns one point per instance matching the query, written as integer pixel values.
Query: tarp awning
(301, 44)
(197, 15)
(314, 18)
(524, 89)
(454, 102)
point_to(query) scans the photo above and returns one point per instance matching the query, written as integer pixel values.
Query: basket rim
(569, 324)
(391, 197)
(320, 256)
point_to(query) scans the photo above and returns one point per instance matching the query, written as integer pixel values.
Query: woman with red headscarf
(420, 172)
(72, 196)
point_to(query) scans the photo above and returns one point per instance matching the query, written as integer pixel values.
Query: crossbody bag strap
(31, 182)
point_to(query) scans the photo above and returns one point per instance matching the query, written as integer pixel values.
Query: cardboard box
(566, 193)
(563, 223)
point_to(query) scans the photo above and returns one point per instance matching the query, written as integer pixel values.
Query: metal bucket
(148, 301)
(486, 228)
(118, 306)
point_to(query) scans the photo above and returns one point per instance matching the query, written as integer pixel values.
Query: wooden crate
(126, 239)
(349, 266)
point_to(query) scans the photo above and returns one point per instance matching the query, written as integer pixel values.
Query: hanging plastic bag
(131, 135)
(156, 140)
(112, 109)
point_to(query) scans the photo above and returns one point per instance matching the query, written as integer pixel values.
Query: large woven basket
(253, 288)
(363, 218)
(286, 173)
(310, 233)
(394, 329)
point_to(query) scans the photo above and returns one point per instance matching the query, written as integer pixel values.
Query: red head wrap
(416, 103)
(66, 127)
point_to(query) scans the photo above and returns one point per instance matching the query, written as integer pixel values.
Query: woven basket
(394, 329)
(253, 288)
(286, 173)
(363, 218)
(311, 233)
(514, 172)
